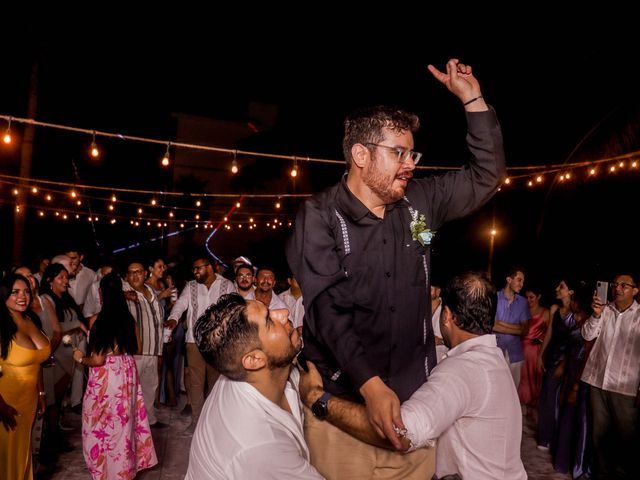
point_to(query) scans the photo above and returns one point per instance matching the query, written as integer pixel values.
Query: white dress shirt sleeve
(435, 406)
(181, 305)
(592, 326)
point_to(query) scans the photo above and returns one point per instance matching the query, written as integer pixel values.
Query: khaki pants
(199, 370)
(338, 456)
(147, 366)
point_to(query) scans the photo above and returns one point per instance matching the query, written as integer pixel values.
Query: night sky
(565, 97)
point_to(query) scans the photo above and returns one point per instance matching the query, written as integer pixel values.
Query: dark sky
(550, 87)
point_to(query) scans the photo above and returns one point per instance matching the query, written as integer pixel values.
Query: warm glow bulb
(197, 217)
(612, 169)
(198, 203)
(140, 211)
(634, 164)
(530, 183)
(41, 213)
(165, 161)
(251, 220)
(34, 190)
(294, 172)
(153, 201)
(73, 194)
(113, 198)
(95, 153)
(592, 171)
(507, 181)
(7, 138)
(15, 191)
(538, 179)
(171, 214)
(567, 176)
(111, 207)
(182, 225)
(48, 197)
(234, 167)
(237, 204)
(277, 204)
(493, 232)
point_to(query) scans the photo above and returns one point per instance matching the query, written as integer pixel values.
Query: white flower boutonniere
(66, 340)
(419, 230)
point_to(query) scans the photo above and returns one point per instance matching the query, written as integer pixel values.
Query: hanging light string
(156, 192)
(540, 169)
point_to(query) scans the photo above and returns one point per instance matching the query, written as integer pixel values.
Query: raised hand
(460, 81)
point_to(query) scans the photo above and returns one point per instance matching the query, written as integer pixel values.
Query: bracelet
(472, 100)
(42, 394)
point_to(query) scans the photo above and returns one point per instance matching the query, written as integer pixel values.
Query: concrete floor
(172, 449)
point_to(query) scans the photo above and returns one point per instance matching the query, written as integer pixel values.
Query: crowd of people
(391, 383)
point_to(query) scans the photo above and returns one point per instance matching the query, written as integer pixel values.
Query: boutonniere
(419, 230)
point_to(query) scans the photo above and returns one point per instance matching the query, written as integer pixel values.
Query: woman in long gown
(551, 361)
(23, 347)
(116, 439)
(531, 381)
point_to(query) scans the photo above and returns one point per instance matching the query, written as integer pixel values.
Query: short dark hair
(246, 266)
(366, 126)
(472, 299)
(224, 333)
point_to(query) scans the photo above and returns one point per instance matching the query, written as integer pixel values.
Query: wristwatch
(320, 407)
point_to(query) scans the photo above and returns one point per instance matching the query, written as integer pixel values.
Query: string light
(95, 153)
(294, 170)
(166, 160)
(114, 199)
(198, 203)
(237, 204)
(7, 134)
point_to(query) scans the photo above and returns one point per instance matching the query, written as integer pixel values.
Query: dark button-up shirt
(365, 280)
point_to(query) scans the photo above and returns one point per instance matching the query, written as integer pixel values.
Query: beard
(381, 184)
(284, 360)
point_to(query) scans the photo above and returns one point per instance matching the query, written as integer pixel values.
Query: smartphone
(602, 290)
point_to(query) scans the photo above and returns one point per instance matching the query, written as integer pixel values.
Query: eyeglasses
(135, 272)
(403, 154)
(198, 267)
(244, 275)
(622, 285)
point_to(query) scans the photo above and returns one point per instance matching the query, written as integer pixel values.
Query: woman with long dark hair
(116, 438)
(55, 288)
(23, 347)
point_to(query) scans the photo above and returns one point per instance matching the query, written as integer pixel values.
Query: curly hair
(224, 333)
(367, 124)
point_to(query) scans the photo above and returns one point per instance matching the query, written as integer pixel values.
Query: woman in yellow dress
(23, 347)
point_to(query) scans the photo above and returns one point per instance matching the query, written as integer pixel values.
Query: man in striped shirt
(143, 305)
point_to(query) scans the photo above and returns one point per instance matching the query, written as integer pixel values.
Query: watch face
(319, 409)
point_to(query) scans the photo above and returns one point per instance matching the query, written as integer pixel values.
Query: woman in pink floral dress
(116, 439)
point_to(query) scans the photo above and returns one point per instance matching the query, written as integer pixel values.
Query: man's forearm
(508, 328)
(351, 417)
